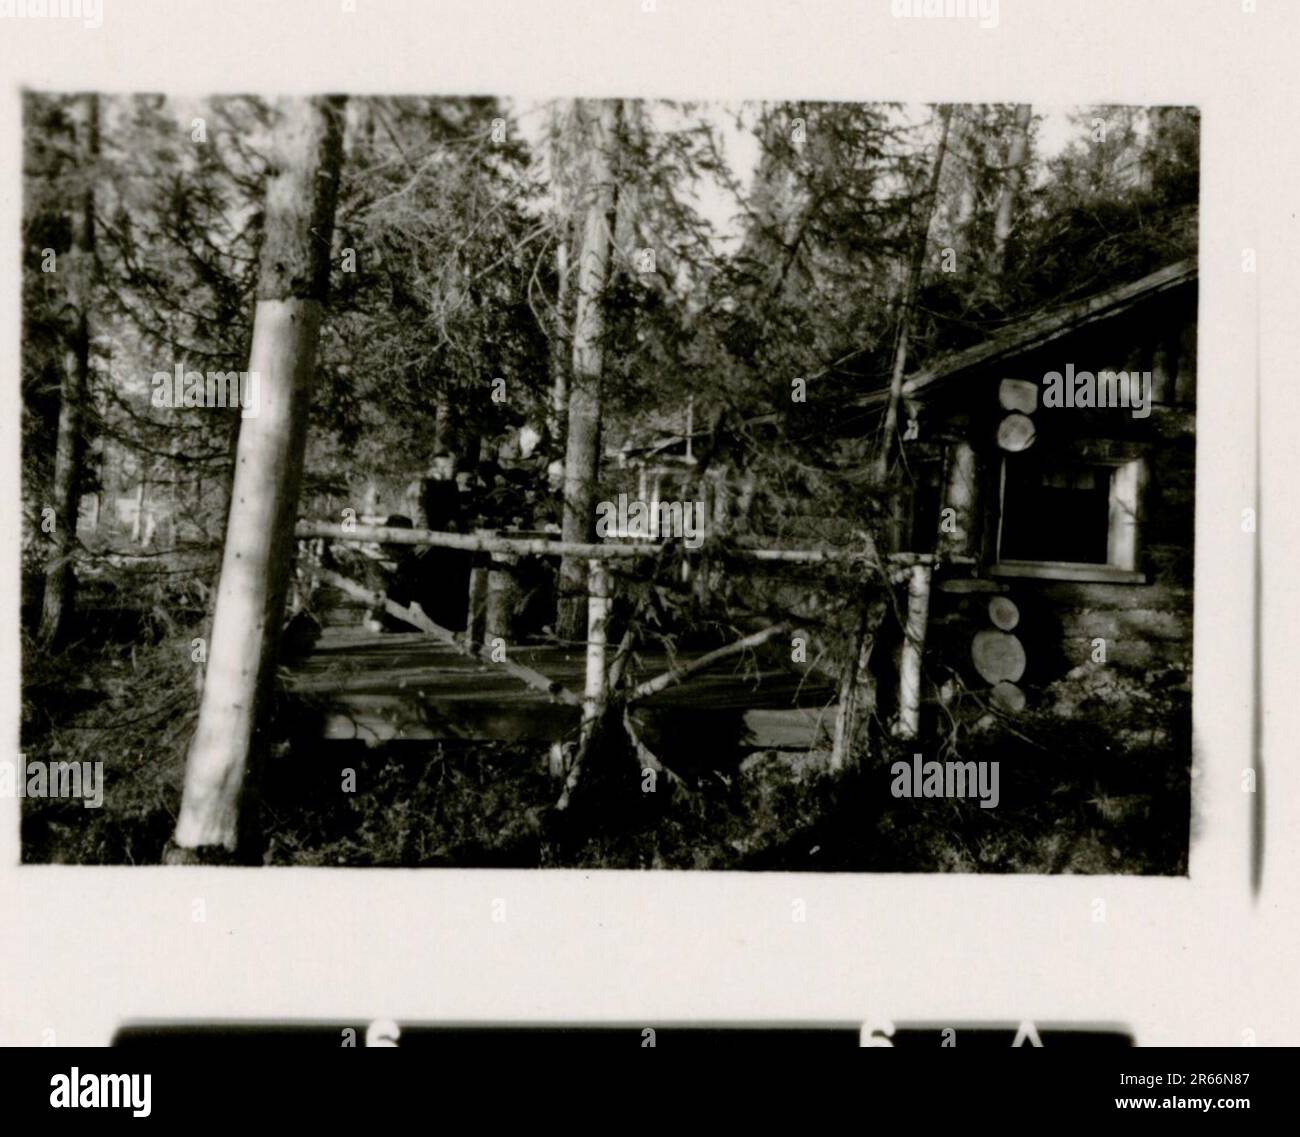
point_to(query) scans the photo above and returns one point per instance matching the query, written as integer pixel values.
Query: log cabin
(1078, 512)
(1051, 467)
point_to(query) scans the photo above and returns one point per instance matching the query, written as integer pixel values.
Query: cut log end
(997, 656)
(1004, 613)
(1007, 697)
(1016, 433)
(1018, 395)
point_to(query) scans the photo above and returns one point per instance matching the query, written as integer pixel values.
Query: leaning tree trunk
(582, 446)
(56, 604)
(294, 279)
(910, 289)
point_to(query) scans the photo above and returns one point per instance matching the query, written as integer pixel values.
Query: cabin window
(1069, 519)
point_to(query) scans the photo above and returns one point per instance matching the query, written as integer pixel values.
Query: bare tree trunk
(564, 117)
(1015, 171)
(910, 289)
(137, 518)
(295, 262)
(966, 144)
(582, 447)
(56, 604)
(224, 484)
(560, 346)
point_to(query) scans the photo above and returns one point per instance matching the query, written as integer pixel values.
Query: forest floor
(1074, 797)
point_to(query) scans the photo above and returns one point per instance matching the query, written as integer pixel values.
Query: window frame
(1127, 481)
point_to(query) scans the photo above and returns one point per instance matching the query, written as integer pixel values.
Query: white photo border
(1179, 960)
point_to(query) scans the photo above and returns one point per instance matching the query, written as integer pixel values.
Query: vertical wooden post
(594, 695)
(597, 685)
(500, 597)
(1125, 499)
(556, 764)
(476, 615)
(909, 677)
(961, 495)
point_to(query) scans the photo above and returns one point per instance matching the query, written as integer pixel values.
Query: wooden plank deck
(383, 686)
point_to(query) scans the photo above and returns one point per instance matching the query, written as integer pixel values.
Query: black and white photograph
(608, 483)
(609, 524)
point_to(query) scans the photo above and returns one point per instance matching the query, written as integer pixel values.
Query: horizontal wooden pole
(544, 546)
(470, 542)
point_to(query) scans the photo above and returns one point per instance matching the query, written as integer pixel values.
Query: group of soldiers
(518, 490)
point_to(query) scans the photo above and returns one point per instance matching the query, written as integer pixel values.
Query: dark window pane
(1055, 511)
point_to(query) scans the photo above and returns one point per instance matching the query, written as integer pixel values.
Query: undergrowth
(1106, 791)
(1072, 798)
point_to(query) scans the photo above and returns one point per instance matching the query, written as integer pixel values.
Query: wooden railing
(483, 624)
(554, 547)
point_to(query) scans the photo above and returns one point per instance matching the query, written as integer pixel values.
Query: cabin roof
(1025, 334)
(1046, 326)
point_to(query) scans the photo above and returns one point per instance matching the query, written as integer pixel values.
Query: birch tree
(582, 446)
(1017, 152)
(292, 287)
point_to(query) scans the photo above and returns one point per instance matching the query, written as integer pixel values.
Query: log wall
(1146, 626)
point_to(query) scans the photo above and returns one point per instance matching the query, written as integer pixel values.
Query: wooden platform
(377, 687)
